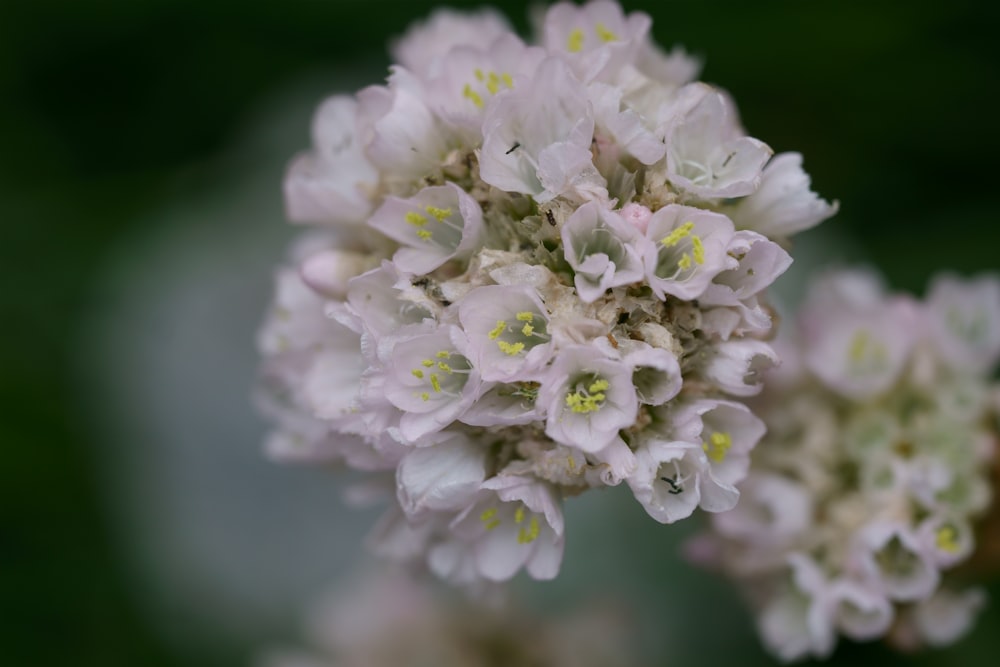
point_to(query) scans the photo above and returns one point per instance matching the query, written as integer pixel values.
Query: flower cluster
(535, 270)
(882, 428)
(389, 619)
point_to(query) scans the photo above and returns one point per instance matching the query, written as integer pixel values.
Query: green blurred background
(113, 111)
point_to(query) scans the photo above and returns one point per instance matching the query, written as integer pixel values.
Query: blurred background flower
(140, 215)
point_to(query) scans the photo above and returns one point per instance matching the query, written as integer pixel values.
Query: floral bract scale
(531, 271)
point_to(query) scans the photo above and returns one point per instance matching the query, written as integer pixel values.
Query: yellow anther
(416, 219)
(519, 514)
(435, 384)
(478, 74)
(718, 446)
(604, 34)
(946, 539)
(529, 534)
(575, 41)
(425, 396)
(674, 237)
(510, 349)
(571, 462)
(424, 234)
(493, 83)
(497, 330)
(507, 79)
(445, 367)
(597, 386)
(472, 95)
(427, 363)
(684, 263)
(443, 354)
(439, 213)
(859, 345)
(527, 330)
(582, 402)
(417, 373)
(698, 249)
(488, 517)
(525, 316)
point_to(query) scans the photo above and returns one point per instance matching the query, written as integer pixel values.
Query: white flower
(603, 250)
(384, 301)
(426, 43)
(947, 615)
(517, 524)
(773, 510)
(964, 321)
(860, 353)
(673, 478)
(597, 38)
(737, 366)
(434, 226)
(798, 621)
(402, 136)
(431, 381)
(508, 331)
(536, 138)
(894, 558)
(472, 74)
(687, 250)
(861, 612)
(327, 272)
(708, 156)
(727, 432)
(783, 204)
(440, 478)
(587, 398)
(333, 183)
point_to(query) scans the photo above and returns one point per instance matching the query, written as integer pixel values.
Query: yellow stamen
(519, 514)
(947, 539)
(529, 534)
(493, 83)
(507, 79)
(426, 363)
(445, 367)
(574, 43)
(582, 402)
(435, 384)
(510, 349)
(604, 34)
(674, 237)
(424, 235)
(417, 373)
(718, 446)
(478, 74)
(859, 344)
(443, 354)
(599, 385)
(439, 213)
(698, 249)
(425, 396)
(684, 263)
(416, 219)
(525, 316)
(527, 330)
(497, 330)
(488, 517)
(472, 95)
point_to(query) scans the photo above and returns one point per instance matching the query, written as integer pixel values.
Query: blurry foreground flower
(391, 620)
(533, 271)
(864, 495)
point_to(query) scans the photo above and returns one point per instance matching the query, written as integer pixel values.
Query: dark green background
(111, 110)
